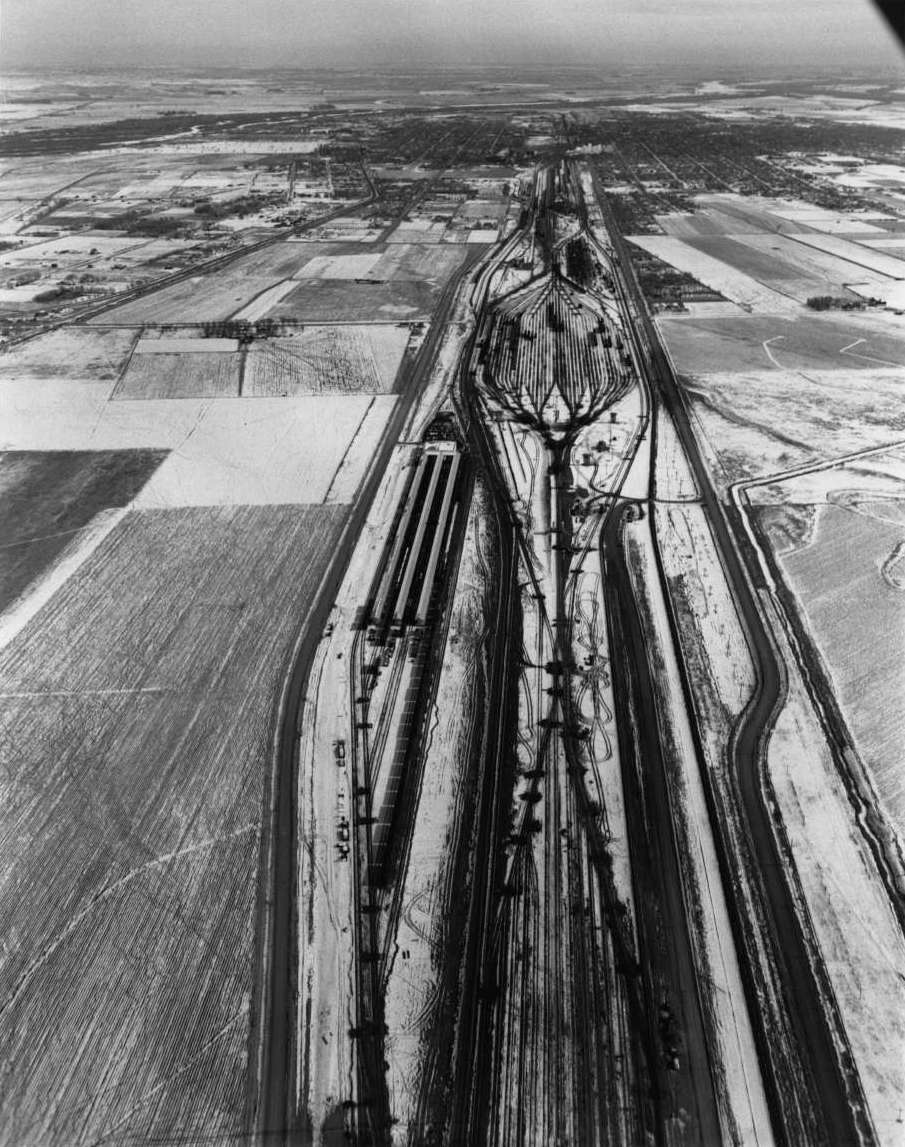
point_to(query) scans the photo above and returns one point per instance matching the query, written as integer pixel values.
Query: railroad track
(273, 1086)
(540, 998)
(813, 1098)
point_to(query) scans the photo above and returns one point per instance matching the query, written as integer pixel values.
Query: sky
(701, 35)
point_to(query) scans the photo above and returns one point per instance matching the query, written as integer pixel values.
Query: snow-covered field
(219, 147)
(716, 649)
(735, 285)
(482, 235)
(39, 592)
(742, 1098)
(827, 267)
(855, 612)
(342, 359)
(861, 942)
(755, 423)
(862, 476)
(822, 219)
(673, 477)
(888, 240)
(184, 345)
(876, 175)
(855, 253)
(275, 452)
(272, 450)
(261, 305)
(339, 266)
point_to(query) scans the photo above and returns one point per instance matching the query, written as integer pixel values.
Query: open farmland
(831, 272)
(401, 262)
(270, 451)
(765, 266)
(847, 576)
(736, 285)
(713, 221)
(401, 282)
(700, 344)
(202, 298)
(854, 253)
(355, 266)
(216, 296)
(376, 766)
(136, 732)
(853, 917)
(46, 499)
(340, 359)
(416, 262)
(194, 375)
(328, 300)
(273, 451)
(74, 353)
(757, 423)
(786, 246)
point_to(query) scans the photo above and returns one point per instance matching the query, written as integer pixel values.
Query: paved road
(271, 1108)
(205, 267)
(666, 945)
(827, 1095)
(682, 1105)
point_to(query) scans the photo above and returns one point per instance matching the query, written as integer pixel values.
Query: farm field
(47, 499)
(340, 359)
(757, 423)
(788, 246)
(854, 253)
(416, 263)
(876, 475)
(828, 271)
(271, 450)
(700, 344)
(853, 918)
(736, 215)
(144, 694)
(413, 262)
(264, 302)
(714, 642)
(848, 575)
(764, 266)
(343, 228)
(736, 285)
(326, 300)
(93, 252)
(219, 294)
(423, 232)
(201, 298)
(340, 266)
(79, 249)
(75, 353)
(895, 243)
(214, 374)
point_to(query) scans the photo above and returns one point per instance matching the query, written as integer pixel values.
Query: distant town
(452, 597)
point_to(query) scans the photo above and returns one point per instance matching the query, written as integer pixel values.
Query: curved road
(831, 1097)
(666, 955)
(272, 1088)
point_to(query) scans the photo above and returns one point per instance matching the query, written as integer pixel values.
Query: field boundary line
(351, 443)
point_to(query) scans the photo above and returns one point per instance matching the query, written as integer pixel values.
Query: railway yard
(451, 616)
